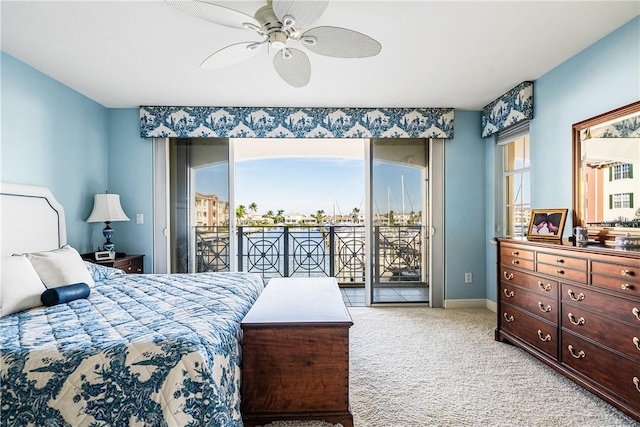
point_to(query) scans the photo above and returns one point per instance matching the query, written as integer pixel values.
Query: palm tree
(253, 207)
(355, 215)
(319, 216)
(279, 216)
(241, 211)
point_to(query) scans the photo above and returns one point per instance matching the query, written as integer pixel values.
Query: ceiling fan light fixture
(278, 40)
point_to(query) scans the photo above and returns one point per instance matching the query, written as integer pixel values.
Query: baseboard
(471, 303)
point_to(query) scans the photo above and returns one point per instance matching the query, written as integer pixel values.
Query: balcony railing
(316, 251)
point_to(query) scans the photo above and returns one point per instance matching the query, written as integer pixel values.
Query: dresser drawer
(590, 299)
(617, 277)
(531, 282)
(516, 252)
(563, 273)
(536, 332)
(131, 265)
(563, 261)
(610, 370)
(626, 338)
(534, 303)
(517, 262)
(630, 273)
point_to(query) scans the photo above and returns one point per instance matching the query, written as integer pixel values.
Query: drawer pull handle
(543, 337)
(636, 312)
(543, 308)
(573, 296)
(515, 262)
(559, 272)
(515, 253)
(508, 318)
(508, 293)
(636, 381)
(507, 276)
(559, 261)
(626, 286)
(544, 287)
(626, 273)
(579, 355)
(575, 321)
(636, 342)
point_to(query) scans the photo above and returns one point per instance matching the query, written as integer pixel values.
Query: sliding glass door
(199, 205)
(377, 239)
(399, 201)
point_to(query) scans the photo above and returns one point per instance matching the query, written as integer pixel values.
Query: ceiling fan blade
(340, 43)
(231, 55)
(294, 67)
(214, 13)
(304, 12)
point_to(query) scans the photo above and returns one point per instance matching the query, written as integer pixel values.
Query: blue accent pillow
(64, 294)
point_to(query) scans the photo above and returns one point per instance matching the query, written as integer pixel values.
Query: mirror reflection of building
(607, 156)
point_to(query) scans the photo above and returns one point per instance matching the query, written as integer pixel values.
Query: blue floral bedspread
(142, 350)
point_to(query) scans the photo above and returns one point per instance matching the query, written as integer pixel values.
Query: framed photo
(546, 223)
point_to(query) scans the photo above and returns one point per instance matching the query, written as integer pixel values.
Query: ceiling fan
(280, 23)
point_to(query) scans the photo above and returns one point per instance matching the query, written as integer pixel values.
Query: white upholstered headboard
(31, 219)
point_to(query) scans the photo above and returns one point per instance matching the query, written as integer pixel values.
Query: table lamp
(106, 208)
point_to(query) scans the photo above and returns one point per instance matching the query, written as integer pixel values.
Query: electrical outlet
(468, 278)
(139, 218)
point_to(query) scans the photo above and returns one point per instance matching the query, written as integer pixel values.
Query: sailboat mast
(402, 183)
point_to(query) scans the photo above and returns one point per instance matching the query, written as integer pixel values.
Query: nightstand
(131, 264)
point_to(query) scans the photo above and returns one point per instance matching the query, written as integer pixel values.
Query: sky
(309, 183)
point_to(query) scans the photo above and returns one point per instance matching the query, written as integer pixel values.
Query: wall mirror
(606, 171)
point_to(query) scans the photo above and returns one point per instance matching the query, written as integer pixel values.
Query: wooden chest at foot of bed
(296, 354)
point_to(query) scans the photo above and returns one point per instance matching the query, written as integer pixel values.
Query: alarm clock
(104, 255)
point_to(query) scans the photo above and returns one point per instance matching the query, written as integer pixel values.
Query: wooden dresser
(295, 363)
(577, 310)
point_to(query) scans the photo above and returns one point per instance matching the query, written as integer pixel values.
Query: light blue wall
(131, 176)
(465, 211)
(601, 78)
(55, 137)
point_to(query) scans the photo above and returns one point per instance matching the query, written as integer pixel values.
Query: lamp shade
(106, 208)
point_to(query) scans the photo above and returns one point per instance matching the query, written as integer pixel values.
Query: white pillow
(60, 267)
(20, 286)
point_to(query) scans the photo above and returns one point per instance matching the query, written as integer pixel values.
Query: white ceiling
(460, 54)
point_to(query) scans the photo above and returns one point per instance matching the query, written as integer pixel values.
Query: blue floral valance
(282, 122)
(513, 107)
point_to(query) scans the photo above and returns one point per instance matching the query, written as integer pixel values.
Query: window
(621, 171)
(516, 182)
(619, 201)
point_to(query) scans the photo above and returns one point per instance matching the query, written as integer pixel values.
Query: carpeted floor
(416, 367)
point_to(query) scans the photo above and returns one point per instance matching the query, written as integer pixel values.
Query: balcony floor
(354, 297)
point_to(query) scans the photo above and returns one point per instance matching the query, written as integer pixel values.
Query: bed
(139, 350)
